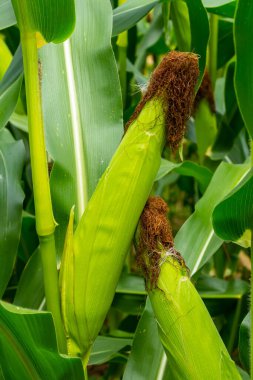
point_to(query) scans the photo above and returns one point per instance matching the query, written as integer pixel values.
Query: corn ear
(96, 253)
(94, 256)
(191, 341)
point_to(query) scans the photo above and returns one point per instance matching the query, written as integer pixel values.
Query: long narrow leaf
(233, 216)
(244, 64)
(54, 19)
(196, 240)
(82, 107)
(12, 158)
(28, 349)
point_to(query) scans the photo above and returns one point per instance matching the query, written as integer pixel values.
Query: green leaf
(187, 168)
(82, 108)
(131, 284)
(105, 348)
(244, 341)
(30, 291)
(231, 123)
(226, 49)
(54, 19)
(10, 88)
(128, 14)
(205, 127)
(196, 239)
(233, 216)
(211, 288)
(243, 30)
(8, 101)
(7, 15)
(12, 158)
(28, 347)
(147, 360)
(181, 24)
(225, 8)
(199, 32)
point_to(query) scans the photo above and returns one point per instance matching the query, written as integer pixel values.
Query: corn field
(126, 189)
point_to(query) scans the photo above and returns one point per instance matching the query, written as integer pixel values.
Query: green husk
(191, 341)
(94, 256)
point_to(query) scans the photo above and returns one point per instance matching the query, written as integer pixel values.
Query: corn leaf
(82, 108)
(147, 360)
(199, 32)
(225, 8)
(105, 348)
(244, 341)
(28, 347)
(187, 168)
(196, 239)
(12, 158)
(54, 19)
(243, 30)
(232, 218)
(30, 290)
(10, 88)
(7, 15)
(128, 14)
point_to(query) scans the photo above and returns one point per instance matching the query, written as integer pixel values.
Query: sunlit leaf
(225, 8)
(128, 14)
(7, 15)
(82, 108)
(105, 348)
(187, 168)
(54, 19)
(196, 239)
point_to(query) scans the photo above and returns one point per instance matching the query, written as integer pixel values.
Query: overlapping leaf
(10, 88)
(82, 107)
(187, 168)
(147, 360)
(54, 19)
(28, 348)
(12, 158)
(244, 63)
(234, 215)
(128, 14)
(196, 240)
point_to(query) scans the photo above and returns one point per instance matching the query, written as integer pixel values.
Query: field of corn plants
(126, 189)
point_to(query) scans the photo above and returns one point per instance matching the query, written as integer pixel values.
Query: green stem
(48, 258)
(213, 47)
(45, 224)
(85, 361)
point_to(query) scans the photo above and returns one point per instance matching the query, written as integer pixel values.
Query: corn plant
(123, 124)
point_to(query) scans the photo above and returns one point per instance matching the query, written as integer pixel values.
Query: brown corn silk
(155, 237)
(173, 82)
